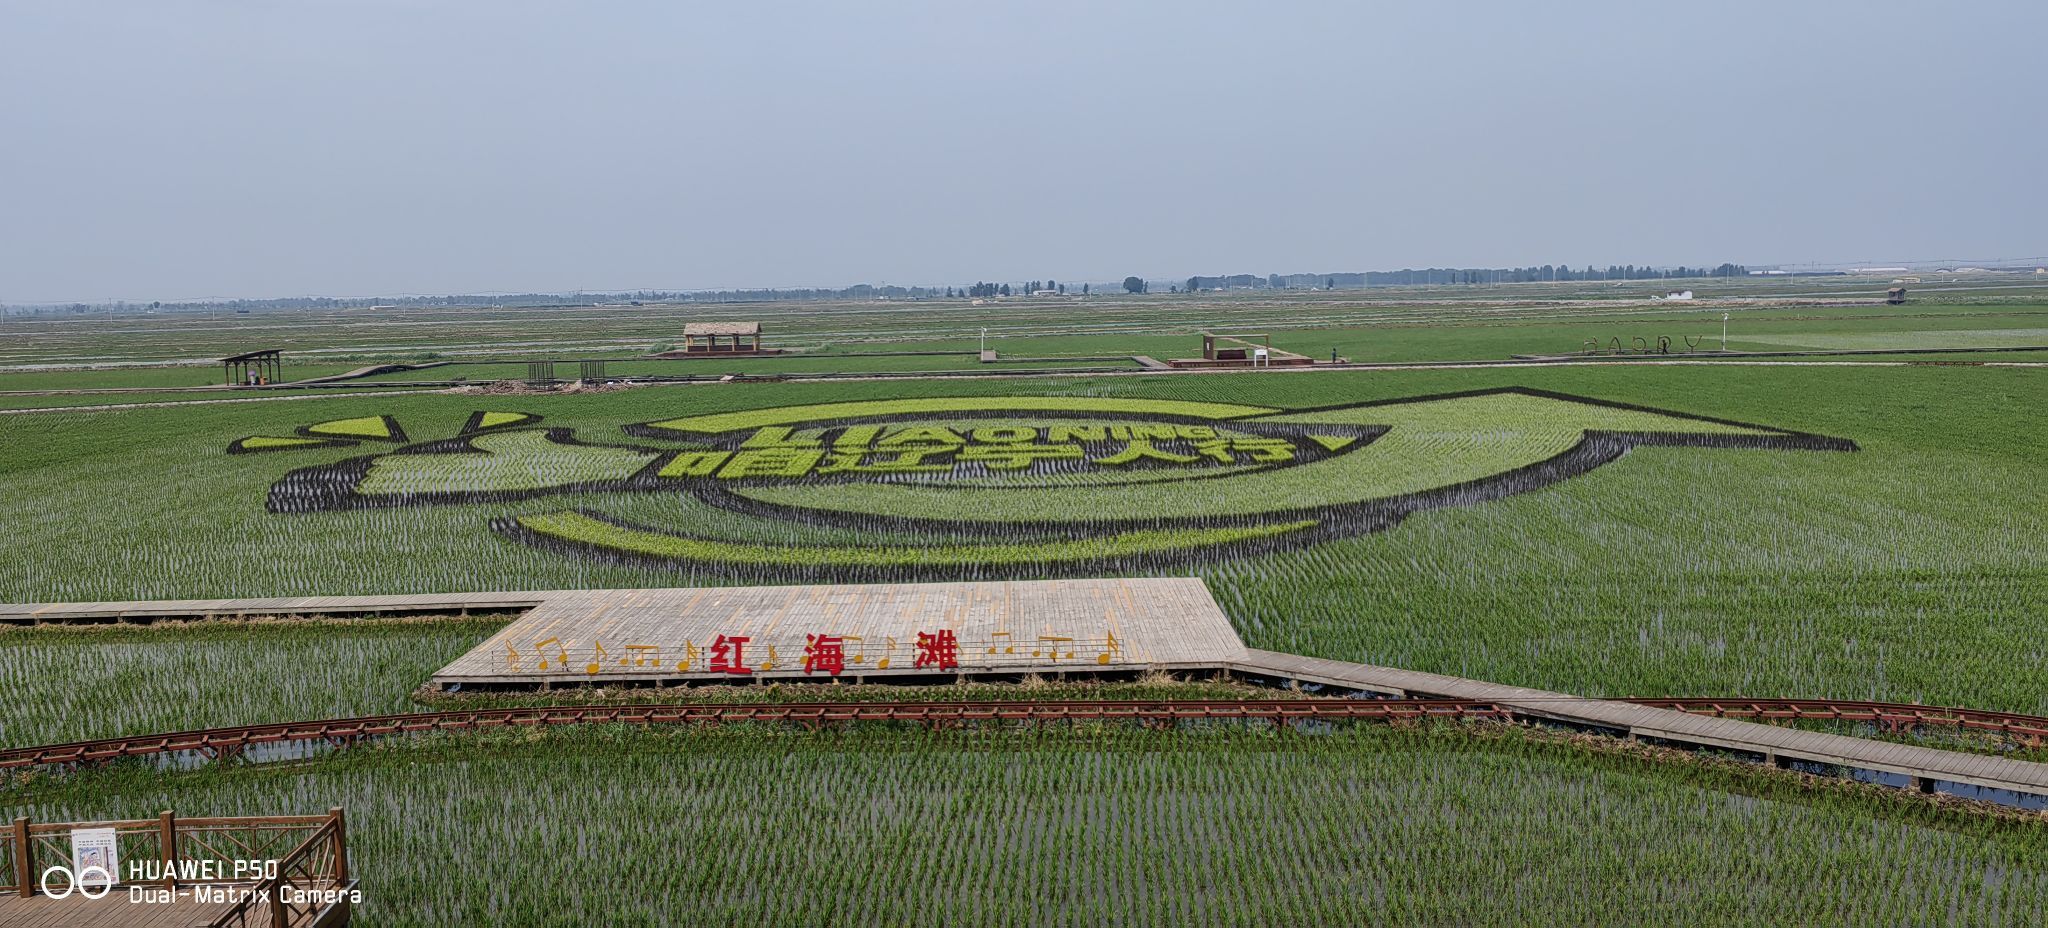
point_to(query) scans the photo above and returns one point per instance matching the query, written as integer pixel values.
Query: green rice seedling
(1422, 826)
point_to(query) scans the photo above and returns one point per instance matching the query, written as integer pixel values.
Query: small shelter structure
(720, 340)
(1242, 349)
(1895, 295)
(254, 368)
(704, 337)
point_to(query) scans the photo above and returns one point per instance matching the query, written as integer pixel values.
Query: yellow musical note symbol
(1110, 647)
(1054, 653)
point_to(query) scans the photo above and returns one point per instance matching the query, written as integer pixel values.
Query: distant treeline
(1346, 280)
(624, 298)
(1408, 277)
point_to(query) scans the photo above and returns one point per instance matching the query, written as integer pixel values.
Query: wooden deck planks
(1039, 626)
(1673, 725)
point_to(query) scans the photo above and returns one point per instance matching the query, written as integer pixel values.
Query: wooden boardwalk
(149, 610)
(997, 627)
(1164, 624)
(1780, 746)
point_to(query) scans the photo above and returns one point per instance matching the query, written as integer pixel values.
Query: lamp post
(1724, 331)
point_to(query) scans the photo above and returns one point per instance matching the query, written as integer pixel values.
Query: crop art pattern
(992, 486)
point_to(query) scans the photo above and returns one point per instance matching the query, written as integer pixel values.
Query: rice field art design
(996, 486)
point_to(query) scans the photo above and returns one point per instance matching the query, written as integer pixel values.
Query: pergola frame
(1209, 340)
(267, 365)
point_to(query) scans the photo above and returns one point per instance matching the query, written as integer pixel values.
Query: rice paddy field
(1865, 531)
(1353, 826)
(1907, 570)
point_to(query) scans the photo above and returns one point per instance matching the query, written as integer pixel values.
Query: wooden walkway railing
(2021, 730)
(227, 742)
(165, 851)
(308, 890)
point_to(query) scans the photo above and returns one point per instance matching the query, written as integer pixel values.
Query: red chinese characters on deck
(728, 655)
(938, 650)
(827, 653)
(824, 653)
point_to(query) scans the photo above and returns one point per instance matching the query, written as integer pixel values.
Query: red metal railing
(220, 742)
(2028, 730)
(217, 742)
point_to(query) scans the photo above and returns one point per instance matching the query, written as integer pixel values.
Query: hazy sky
(165, 149)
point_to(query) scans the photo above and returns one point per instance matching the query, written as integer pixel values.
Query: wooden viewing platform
(1000, 628)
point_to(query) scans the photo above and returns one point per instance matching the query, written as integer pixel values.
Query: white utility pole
(1724, 331)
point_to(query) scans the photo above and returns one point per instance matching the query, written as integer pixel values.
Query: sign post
(94, 857)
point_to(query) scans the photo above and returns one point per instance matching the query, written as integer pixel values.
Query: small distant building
(1241, 349)
(1895, 295)
(1045, 293)
(720, 340)
(704, 337)
(1677, 295)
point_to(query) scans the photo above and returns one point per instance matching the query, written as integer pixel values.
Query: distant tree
(1084, 289)
(1134, 285)
(1005, 290)
(1330, 283)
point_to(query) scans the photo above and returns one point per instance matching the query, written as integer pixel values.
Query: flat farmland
(1672, 571)
(1379, 325)
(1859, 531)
